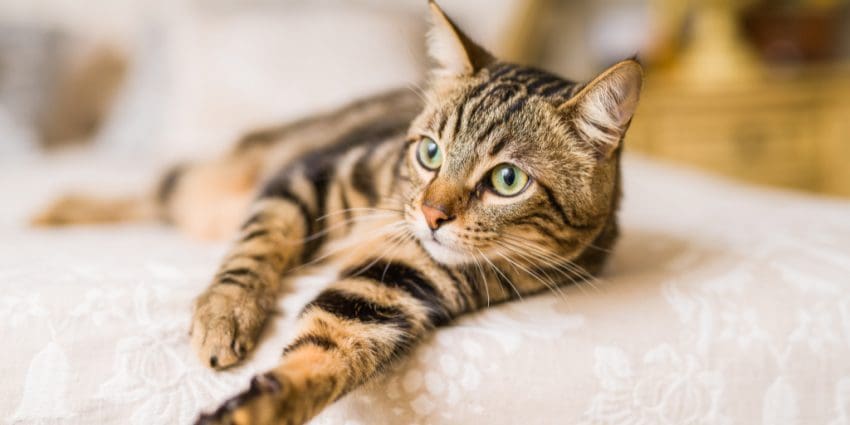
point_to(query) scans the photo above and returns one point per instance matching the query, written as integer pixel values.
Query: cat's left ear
(602, 110)
(455, 52)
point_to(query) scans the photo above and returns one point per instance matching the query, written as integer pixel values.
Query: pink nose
(435, 216)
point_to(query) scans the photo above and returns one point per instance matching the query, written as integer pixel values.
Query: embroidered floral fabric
(723, 304)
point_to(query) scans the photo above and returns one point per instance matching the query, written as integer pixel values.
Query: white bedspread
(723, 304)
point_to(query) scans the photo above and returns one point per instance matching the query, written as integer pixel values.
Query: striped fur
(394, 287)
(346, 188)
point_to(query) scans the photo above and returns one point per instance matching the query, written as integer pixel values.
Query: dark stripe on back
(409, 280)
(362, 176)
(369, 133)
(401, 101)
(355, 307)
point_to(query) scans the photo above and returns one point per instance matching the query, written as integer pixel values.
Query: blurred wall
(202, 72)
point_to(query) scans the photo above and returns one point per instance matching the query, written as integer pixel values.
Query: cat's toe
(212, 342)
(223, 332)
(219, 343)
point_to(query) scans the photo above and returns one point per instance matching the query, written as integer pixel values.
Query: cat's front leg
(348, 335)
(230, 314)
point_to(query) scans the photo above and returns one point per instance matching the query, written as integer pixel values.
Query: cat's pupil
(431, 149)
(508, 176)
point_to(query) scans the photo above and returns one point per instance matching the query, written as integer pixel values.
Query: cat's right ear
(454, 51)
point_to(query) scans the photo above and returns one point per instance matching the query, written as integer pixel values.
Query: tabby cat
(499, 181)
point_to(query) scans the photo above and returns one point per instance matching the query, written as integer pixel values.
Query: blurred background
(757, 90)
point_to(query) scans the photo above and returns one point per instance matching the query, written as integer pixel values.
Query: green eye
(508, 180)
(429, 154)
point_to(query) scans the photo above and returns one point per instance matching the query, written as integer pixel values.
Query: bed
(723, 304)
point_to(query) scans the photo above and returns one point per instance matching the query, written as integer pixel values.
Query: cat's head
(511, 163)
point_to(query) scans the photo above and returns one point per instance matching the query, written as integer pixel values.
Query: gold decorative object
(716, 53)
(787, 129)
(716, 106)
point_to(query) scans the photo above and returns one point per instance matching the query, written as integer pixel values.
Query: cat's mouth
(443, 251)
(441, 244)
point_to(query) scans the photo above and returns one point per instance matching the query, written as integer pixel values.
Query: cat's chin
(445, 255)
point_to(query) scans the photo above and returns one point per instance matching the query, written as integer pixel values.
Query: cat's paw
(263, 403)
(226, 325)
